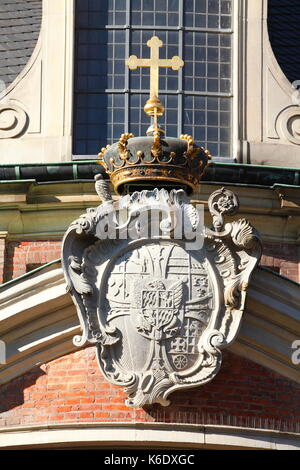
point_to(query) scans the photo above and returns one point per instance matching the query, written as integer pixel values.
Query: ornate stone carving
(158, 308)
(222, 202)
(288, 124)
(102, 187)
(13, 120)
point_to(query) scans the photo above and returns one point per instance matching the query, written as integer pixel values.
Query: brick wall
(72, 389)
(16, 257)
(282, 258)
(21, 256)
(2, 258)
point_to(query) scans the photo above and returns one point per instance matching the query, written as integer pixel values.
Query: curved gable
(20, 24)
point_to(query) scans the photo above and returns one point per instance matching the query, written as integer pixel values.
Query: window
(283, 27)
(109, 98)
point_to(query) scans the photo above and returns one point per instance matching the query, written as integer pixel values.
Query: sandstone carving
(288, 124)
(158, 307)
(13, 120)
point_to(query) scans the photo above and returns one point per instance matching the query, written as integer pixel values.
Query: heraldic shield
(157, 292)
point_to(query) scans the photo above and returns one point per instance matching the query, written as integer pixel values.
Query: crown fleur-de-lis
(122, 145)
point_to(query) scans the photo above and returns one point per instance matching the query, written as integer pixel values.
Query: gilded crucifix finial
(154, 106)
(154, 63)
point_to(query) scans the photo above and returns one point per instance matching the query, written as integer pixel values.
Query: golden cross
(154, 63)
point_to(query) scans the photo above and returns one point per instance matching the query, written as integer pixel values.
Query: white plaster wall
(36, 109)
(269, 118)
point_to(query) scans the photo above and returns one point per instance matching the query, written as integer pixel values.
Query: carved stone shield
(158, 308)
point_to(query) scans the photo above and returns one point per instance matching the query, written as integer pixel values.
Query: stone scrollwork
(102, 187)
(222, 202)
(288, 124)
(159, 309)
(13, 120)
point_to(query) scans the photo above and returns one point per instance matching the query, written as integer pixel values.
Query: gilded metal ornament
(154, 63)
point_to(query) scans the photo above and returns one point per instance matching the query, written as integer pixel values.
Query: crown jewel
(154, 160)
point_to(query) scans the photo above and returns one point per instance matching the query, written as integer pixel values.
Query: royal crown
(154, 161)
(136, 163)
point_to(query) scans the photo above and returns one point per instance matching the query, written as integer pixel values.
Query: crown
(154, 161)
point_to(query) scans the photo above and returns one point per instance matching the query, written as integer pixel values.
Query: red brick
(87, 400)
(86, 415)
(63, 409)
(282, 256)
(76, 372)
(60, 373)
(241, 392)
(58, 417)
(101, 414)
(71, 401)
(18, 254)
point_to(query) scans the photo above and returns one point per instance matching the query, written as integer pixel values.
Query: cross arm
(133, 62)
(176, 63)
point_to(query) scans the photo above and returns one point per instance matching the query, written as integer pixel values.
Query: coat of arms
(158, 308)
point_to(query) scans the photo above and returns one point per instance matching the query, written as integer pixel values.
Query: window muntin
(109, 98)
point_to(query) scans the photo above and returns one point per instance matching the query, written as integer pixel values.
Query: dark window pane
(103, 85)
(212, 119)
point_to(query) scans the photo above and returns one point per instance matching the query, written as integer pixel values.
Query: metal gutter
(50, 172)
(251, 175)
(217, 173)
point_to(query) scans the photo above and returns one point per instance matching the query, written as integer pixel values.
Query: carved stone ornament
(288, 124)
(158, 302)
(13, 120)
